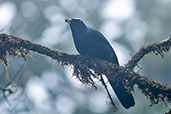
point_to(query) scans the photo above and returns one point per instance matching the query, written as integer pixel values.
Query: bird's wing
(101, 46)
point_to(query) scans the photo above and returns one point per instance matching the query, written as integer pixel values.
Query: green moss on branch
(87, 68)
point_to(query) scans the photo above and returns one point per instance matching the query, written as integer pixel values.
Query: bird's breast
(81, 44)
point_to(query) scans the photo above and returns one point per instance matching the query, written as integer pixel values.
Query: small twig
(10, 82)
(5, 96)
(109, 95)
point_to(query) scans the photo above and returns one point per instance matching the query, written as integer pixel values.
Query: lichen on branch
(87, 68)
(159, 48)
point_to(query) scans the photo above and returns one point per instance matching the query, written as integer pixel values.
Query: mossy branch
(87, 68)
(159, 48)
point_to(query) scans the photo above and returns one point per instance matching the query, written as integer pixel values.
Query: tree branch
(158, 48)
(87, 68)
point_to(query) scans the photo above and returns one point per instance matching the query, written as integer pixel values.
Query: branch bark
(87, 68)
(156, 47)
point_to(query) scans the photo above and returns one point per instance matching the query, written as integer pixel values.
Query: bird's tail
(124, 97)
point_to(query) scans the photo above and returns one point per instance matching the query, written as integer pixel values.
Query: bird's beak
(68, 21)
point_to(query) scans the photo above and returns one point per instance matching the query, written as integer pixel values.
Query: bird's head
(76, 25)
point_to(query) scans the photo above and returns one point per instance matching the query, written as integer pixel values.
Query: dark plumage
(92, 43)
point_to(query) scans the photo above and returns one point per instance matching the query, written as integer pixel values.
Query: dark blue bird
(92, 43)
